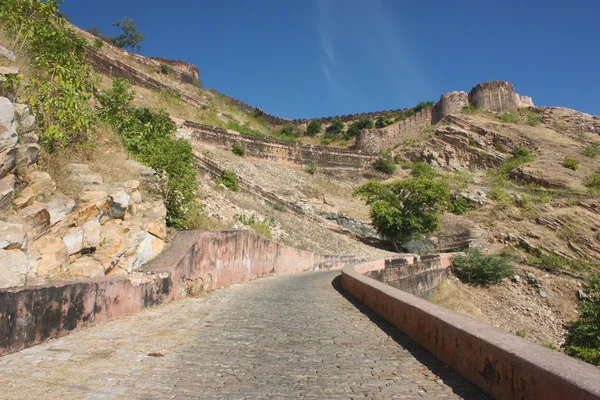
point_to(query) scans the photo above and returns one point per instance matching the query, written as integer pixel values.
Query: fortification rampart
(116, 69)
(503, 365)
(271, 149)
(375, 140)
(188, 73)
(498, 96)
(449, 103)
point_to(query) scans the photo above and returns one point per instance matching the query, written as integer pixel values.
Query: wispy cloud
(366, 33)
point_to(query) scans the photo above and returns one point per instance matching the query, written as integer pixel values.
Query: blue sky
(313, 58)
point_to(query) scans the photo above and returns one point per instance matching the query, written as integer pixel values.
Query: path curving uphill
(288, 336)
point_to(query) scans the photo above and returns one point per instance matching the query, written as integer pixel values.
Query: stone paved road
(294, 336)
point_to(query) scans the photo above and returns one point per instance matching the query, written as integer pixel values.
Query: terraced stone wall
(278, 151)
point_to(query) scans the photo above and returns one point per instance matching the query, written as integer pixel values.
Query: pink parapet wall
(194, 262)
(501, 364)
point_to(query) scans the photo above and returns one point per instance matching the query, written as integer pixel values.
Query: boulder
(27, 155)
(24, 118)
(9, 71)
(82, 174)
(7, 192)
(37, 216)
(91, 234)
(74, 240)
(119, 204)
(12, 236)
(14, 267)
(136, 197)
(4, 52)
(156, 227)
(86, 266)
(150, 246)
(54, 256)
(29, 138)
(8, 137)
(145, 172)
(41, 183)
(59, 207)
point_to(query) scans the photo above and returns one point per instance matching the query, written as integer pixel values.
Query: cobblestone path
(294, 336)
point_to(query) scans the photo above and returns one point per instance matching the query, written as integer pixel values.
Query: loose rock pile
(45, 234)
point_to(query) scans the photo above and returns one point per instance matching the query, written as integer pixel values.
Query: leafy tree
(356, 127)
(314, 127)
(130, 38)
(405, 210)
(583, 338)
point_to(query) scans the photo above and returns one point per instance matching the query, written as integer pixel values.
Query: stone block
(13, 268)
(119, 204)
(59, 207)
(54, 256)
(37, 216)
(24, 118)
(7, 192)
(12, 236)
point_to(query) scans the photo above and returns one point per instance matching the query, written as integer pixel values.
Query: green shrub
(150, 138)
(458, 206)
(311, 168)
(262, 227)
(533, 120)
(325, 141)
(98, 43)
(313, 128)
(470, 109)
(521, 152)
(238, 149)
(509, 116)
(521, 332)
(289, 131)
(591, 151)
(336, 126)
(384, 164)
(593, 182)
(422, 169)
(583, 338)
(476, 267)
(405, 210)
(61, 87)
(384, 121)
(164, 68)
(229, 179)
(571, 163)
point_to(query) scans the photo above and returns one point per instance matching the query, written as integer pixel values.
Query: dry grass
(106, 158)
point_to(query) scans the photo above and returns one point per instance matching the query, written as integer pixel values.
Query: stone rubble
(44, 234)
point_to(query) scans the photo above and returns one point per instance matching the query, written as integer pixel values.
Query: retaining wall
(420, 278)
(501, 364)
(194, 262)
(278, 151)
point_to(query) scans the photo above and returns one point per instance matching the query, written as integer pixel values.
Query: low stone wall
(417, 276)
(278, 151)
(195, 262)
(501, 364)
(375, 140)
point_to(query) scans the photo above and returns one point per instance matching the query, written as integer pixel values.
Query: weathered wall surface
(420, 278)
(271, 149)
(186, 72)
(498, 96)
(374, 140)
(195, 262)
(500, 363)
(449, 103)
